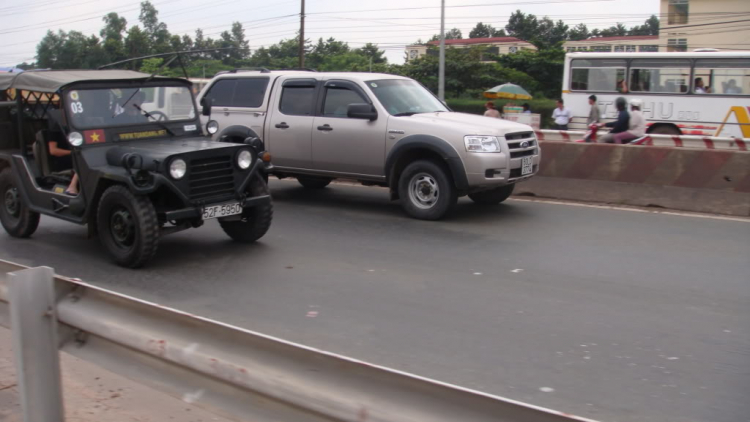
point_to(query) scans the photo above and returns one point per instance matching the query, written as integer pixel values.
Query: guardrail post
(34, 328)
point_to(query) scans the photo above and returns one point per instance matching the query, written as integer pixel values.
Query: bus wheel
(665, 130)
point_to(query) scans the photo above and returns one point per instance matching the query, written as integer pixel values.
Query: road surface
(612, 314)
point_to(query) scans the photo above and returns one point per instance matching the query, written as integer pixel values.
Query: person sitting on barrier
(621, 125)
(491, 111)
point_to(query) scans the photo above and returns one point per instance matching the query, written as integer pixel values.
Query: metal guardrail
(681, 141)
(233, 372)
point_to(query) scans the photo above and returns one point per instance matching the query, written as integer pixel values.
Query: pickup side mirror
(206, 106)
(362, 111)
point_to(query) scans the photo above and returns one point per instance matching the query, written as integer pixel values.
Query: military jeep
(137, 146)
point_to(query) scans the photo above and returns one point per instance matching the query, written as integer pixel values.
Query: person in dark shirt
(622, 124)
(60, 159)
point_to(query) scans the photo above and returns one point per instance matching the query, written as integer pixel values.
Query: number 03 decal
(76, 107)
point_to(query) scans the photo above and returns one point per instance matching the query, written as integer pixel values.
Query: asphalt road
(611, 314)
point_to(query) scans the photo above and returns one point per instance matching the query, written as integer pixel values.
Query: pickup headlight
(177, 168)
(482, 143)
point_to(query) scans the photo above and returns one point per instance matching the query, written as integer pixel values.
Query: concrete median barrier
(713, 181)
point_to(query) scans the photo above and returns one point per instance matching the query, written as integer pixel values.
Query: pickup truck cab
(378, 129)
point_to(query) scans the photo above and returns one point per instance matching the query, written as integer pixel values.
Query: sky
(392, 24)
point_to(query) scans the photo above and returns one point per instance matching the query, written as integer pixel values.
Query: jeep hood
(466, 124)
(160, 149)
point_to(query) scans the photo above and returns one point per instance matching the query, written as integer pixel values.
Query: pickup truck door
(240, 101)
(290, 122)
(342, 144)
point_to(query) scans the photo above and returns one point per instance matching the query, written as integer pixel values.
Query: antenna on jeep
(151, 56)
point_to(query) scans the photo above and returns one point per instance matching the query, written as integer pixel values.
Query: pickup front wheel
(426, 190)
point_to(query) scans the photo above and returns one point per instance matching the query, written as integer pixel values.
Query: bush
(544, 107)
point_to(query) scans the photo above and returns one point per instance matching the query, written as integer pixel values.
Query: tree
(156, 32)
(136, 44)
(522, 26)
(618, 30)
(579, 32)
(70, 50)
(650, 27)
(544, 66)
(453, 34)
(372, 52)
(113, 36)
(486, 31)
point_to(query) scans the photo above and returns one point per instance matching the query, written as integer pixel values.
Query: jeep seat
(42, 158)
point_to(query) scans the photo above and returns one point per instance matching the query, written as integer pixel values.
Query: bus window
(724, 76)
(600, 75)
(659, 76)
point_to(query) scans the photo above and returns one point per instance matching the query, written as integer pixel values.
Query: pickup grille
(521, 144)
(211, 177)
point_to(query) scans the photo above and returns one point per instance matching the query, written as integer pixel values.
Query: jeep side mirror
(206, 106)
(362, 111)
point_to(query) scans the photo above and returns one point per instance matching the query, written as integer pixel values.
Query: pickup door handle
(326, 128)
(282, 125)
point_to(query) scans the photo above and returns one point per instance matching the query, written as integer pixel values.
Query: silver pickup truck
(378, 129)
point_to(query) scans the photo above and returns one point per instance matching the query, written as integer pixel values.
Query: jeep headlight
(244, 159)
(482, 143)
(177, 168)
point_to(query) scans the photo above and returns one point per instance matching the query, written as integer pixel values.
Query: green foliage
(544, 66)
(543, 107)
(453, 34)
(486, 31)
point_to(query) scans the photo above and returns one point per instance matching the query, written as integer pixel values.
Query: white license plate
(223, 210)
(527, 165)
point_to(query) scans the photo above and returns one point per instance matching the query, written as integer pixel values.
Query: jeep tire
(128, 226)
(492, 196)
(16, 217)
(311, 182)
(255, 221)
(426, 190)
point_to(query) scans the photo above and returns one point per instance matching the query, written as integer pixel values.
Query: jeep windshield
(101, 108)
(403, 97)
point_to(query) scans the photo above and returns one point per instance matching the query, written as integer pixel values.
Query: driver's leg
(73, 186)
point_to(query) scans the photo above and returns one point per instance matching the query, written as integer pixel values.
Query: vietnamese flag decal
(93, 136)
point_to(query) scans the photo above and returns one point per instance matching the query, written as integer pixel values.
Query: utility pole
(302, 36)
(441, 68)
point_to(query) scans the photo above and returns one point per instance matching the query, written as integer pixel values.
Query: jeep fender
(237, 131)
(430, 143)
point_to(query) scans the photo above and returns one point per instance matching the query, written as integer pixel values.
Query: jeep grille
(211, 177)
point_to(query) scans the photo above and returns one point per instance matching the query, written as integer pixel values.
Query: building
(625, 44)
(688, 25)
(494, 46)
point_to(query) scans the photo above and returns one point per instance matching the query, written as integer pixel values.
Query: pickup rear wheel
(17, 219)
(426, 190)
(128, 226)
(313, 182)
(493, 196)
(255, 221)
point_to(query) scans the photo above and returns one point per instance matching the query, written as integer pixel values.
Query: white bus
(666, 82)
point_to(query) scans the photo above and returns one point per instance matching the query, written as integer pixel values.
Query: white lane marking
(546, 389)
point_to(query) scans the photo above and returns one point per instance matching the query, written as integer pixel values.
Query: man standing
(594, 116)
(561, 115)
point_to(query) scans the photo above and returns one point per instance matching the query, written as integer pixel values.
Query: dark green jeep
(136, 144)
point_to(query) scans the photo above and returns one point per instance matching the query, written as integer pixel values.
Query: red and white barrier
(682, 141)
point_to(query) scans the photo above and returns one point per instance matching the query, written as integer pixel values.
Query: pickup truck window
(405, 97)
(337, 101)
(247, 92)
(297, 100)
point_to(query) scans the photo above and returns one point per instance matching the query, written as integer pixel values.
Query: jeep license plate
(527, 165)
(223, 210)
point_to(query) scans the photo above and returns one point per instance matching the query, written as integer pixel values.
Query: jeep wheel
(426, 190)
(128, 226)
(313, 182)
(16, 217)
(255, 221)
(493, 196)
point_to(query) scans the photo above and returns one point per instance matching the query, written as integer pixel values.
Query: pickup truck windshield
(100, 108)
(405, 97)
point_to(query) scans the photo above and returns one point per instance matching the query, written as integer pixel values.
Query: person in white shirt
(700, 88)
(562, 116)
